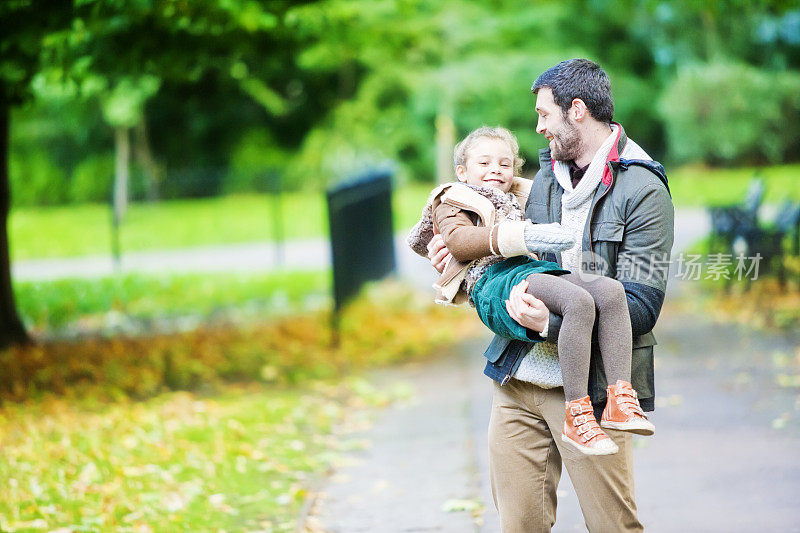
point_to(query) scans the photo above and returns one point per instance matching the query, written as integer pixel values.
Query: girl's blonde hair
(462, 148)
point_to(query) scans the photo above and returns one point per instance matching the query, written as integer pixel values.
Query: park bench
(771, 239)
(736, 229)
(738, 222)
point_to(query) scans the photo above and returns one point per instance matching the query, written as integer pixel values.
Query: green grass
(241, 460)
(698, 186)
(51, 304)
(86, 229)
(78, 230)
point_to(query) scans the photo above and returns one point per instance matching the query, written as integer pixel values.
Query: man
(608, 191)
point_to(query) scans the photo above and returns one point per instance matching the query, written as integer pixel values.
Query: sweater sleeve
(463, 238)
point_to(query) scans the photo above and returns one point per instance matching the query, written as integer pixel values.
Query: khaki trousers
(525, 456)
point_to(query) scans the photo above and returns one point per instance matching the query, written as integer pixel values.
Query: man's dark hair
(579, 78)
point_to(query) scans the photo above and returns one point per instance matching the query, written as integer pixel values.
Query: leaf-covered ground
(205, 430)
(240, 460)
(765, 303)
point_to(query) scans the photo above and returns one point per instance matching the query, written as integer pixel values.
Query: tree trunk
(121, 170)
(445, 142)
(12, 331)
(144, 156)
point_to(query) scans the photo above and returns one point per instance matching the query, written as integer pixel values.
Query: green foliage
(256, 165)
(429, 68)
(92, 179)
(730, 113)
(124, 104)
(36, 180)
(335, 86)
(24, 25)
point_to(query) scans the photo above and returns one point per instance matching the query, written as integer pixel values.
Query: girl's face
(490, 162)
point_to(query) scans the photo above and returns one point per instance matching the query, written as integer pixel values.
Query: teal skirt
(493, 289)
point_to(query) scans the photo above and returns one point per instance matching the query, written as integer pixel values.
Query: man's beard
(567, 142)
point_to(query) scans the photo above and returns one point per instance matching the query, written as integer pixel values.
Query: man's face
(490, 163)
(558, 128)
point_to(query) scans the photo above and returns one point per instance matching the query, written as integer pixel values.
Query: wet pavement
(725, 457)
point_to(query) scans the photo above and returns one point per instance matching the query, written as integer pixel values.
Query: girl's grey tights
(576, 300)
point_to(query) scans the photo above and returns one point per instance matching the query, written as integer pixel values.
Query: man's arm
(642, 265)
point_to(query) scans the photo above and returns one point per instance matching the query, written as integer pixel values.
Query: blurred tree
(123, 53)
(336, 85)
(123, 109)
(757, 121)
(430, 70)
(23, 26)
(657, 43)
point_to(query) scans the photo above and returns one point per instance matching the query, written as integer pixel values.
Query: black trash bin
(362, 243)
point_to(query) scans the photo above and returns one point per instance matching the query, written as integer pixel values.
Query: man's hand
(438, 253)
(526, 310)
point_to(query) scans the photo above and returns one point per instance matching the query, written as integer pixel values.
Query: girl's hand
(438, 253)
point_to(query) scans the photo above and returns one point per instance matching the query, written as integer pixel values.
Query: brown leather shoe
(582, 432)
(623, 411)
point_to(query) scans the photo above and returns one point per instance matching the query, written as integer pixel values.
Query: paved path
(725, 458)
(420, 455)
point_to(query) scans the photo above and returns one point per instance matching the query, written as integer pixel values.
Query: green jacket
(630, 231)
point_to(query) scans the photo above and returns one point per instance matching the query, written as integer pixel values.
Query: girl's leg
(613, 324)
(622, 410)
(574, 343)
(577, 308)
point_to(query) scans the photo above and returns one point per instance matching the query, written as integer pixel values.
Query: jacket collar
(613, 156)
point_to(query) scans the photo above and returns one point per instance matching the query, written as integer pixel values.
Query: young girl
(481, 221)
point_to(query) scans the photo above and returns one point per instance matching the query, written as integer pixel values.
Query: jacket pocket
(496, 350)
(538, 213)
(648, 339)
(606, 240)
(609, 230)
